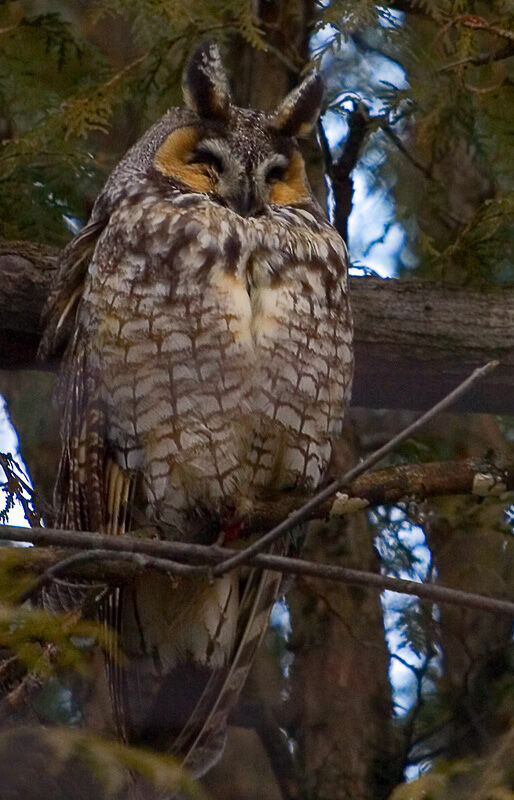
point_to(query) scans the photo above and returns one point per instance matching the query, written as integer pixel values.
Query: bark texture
(472, 545)
(340, 693)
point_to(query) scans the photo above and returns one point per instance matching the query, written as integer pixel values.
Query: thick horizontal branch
(402, 483)
(414, 340)
(26, 272)
(138, 554)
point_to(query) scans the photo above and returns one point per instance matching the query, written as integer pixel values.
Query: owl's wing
(80, 499)
(79, 493)
(95, 493)
(59, 312)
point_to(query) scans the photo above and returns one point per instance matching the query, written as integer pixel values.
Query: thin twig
(140, 560)
(9, 29)
(124, 70)
(303, 513)
(395, 139)
(163, 556)
(356, 577)
(483, 58)
(293, 68)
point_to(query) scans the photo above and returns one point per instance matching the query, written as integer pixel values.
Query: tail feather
(119, 488)
(256, 603)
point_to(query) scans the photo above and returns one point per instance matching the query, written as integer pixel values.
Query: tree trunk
(340, 690)
(472, 545)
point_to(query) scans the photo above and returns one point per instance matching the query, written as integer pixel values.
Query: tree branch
(395, 139)
(138, 560)
(360, 125)
(204, 557)
(482, 477)
(402, 483)
(414, 340)
(483, 58)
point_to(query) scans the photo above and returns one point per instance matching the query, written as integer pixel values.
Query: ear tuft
(299, 111)
(205, 83)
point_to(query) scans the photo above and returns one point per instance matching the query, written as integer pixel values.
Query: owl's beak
(245, 202)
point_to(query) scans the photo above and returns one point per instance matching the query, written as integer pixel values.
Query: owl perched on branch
(208, 358)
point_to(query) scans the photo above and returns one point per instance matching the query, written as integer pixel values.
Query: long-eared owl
(208, 358)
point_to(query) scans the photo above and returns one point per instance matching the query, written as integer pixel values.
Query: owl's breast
(302, 328)
(169, 319)
(223, 348)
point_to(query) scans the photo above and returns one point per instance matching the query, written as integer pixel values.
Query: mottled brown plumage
(208, 358)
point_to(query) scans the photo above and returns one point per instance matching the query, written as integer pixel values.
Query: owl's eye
(276, 173)
(208, 159)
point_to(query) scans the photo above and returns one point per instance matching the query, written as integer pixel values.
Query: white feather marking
(68, 307)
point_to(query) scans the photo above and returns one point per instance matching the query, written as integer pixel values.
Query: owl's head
(244, 159)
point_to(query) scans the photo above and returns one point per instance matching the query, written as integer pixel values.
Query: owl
(207, 337)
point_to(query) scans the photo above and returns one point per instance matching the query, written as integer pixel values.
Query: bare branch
(395, 139)
(303, 513)
(204, 558)
(482, 477)
(140, 561)
(483, 58)
(420, 481)
(403, 483)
